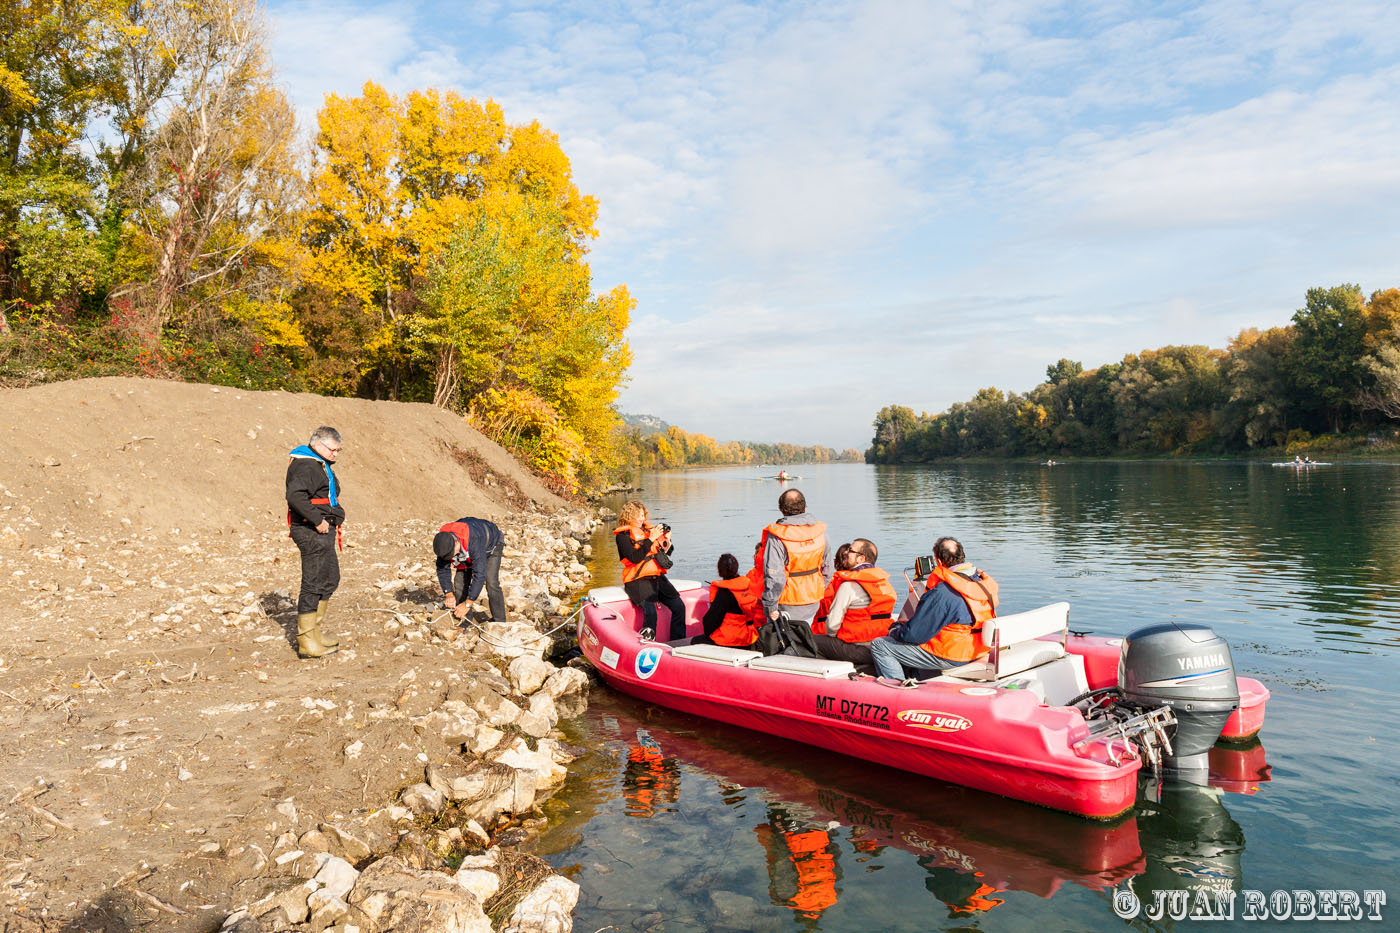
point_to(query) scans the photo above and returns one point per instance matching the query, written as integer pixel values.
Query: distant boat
(1300, 464)
(781, 476)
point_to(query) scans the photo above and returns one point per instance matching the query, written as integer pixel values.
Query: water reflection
(818, 838)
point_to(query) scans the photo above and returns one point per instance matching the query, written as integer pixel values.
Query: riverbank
(172, 762)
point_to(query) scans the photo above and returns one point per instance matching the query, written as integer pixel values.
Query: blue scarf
(304, 452)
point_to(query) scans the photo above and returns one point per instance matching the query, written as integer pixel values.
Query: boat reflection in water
(1192, 844)
(820, 810)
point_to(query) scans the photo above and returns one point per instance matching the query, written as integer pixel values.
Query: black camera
(923, 566)
(665, 528)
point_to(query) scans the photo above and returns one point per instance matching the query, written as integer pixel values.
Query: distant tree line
(1332, 372)
(674, 447)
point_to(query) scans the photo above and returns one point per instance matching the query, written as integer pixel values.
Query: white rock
(336, 877)
(483, 884)
(528, 674)
(547, 909)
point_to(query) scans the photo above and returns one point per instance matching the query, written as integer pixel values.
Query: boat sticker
(933, 719)
(609, 657)
(586, 634)
(867, 714)
(648, 660)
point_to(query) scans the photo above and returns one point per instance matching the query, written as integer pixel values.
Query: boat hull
(1000, 741)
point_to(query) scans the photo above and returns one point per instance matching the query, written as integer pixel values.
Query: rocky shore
(170, 763)
(174, 762)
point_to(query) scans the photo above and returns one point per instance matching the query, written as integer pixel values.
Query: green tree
(1324, 364)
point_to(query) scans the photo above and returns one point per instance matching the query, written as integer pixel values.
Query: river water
(676, 823)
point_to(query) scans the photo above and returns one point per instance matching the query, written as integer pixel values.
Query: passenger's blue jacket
(483, 536)
(942, 606)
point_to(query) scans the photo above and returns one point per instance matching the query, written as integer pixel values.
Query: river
(672, 822)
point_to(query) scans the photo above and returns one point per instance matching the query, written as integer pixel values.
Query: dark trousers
(834, 649)
(320, 566)
(491, 579)
(649, 591)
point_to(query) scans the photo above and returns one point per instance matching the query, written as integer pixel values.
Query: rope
(483, 636)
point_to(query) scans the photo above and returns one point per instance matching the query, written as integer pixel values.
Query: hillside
(163, 455)
(163, 743)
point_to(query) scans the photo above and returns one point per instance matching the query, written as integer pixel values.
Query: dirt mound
(159, 733)
(162, 455)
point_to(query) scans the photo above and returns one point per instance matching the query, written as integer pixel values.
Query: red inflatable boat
(1002, 724)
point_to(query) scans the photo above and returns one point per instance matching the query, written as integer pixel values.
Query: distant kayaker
(645, 552)
(730, 619)
(314, 517)
(468, 555)
(856, 607)
(946, 627)
(797, 563)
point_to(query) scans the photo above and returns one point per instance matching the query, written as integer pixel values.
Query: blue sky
(822, 208)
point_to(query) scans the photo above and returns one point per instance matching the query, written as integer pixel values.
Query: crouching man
(468, 555)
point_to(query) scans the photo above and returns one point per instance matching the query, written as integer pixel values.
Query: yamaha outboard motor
(1187, 668)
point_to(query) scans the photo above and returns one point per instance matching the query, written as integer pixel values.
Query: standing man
(946, 628)
(469, 556)
(796, 561)
(314, 517)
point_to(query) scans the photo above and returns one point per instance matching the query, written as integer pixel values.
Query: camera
(923, 566)
(665, 528)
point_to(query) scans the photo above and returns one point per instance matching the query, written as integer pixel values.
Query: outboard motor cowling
(1188, 668)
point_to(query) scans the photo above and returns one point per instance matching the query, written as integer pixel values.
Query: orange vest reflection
(802, 872)
(962, 893)
(650, 780)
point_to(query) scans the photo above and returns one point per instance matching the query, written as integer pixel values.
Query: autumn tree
(219, 177)
(395, 180)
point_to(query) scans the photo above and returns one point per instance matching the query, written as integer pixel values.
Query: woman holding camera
(645, 552)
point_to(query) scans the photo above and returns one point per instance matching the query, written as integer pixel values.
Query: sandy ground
(154, 718)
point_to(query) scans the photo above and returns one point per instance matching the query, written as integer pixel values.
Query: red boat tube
(1012, 736)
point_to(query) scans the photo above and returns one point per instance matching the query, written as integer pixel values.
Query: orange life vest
(736, 630)
(462, 532)
(959, 642)
(647, 567)
(806, 545)
(756, 587)
(860, 623)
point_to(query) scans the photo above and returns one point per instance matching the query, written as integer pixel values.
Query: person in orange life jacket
(643, 579)
(313, 516)
(797, 562)
(945, 629)
(729, 620)
(856, 608)
(468, 555)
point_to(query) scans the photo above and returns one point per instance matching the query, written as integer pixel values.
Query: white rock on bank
(547, 909)
(528, 674)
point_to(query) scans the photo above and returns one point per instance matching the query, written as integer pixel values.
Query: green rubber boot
(309, 644)
(321, 617)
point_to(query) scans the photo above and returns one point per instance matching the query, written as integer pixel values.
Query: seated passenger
(856, 607)
(641, 547)
(946, 628)
(730, 619)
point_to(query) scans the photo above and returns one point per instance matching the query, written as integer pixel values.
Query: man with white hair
(314, 517)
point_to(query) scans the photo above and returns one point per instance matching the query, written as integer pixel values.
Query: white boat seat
(807, 667)
(607, 594)
(1016, 643)
(717, 654)
(683, 585)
